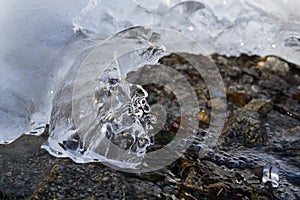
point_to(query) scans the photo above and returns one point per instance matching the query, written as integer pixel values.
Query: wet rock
(260, 106)
(251, 72)
(234, 71)
(142, 189)
(93, 181)
(295, 130)
(293, 178)
(79, 179)
(206, 180)
(239, 98)
(23, 165)
(247, 78)
(221, 60)
(274, 84)
(255, 88)
(8, 174)
(274, 65)
(248, 130)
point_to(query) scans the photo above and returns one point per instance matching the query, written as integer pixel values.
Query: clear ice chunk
(32, 37)
(40, 57)
(271, 174)
(100, 111)
(228, 27)
(97, 115)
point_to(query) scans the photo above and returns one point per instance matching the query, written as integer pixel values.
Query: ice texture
(44, 43)
(271, 174)
(96, 112)
(100, 112)
(32, 36)
(228, 27)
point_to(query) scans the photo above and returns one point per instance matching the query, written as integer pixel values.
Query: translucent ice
(100, 113)
(31, 37)
(93, 113)
(271, 174)
(228, 27)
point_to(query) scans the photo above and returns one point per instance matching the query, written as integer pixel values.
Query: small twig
(286, 112)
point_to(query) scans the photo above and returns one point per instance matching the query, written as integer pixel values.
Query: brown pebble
(204, 117)
(239, 98)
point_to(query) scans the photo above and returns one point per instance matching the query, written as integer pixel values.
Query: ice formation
(271, 174)
(32, 36)
(43, 44)
(228, 27)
